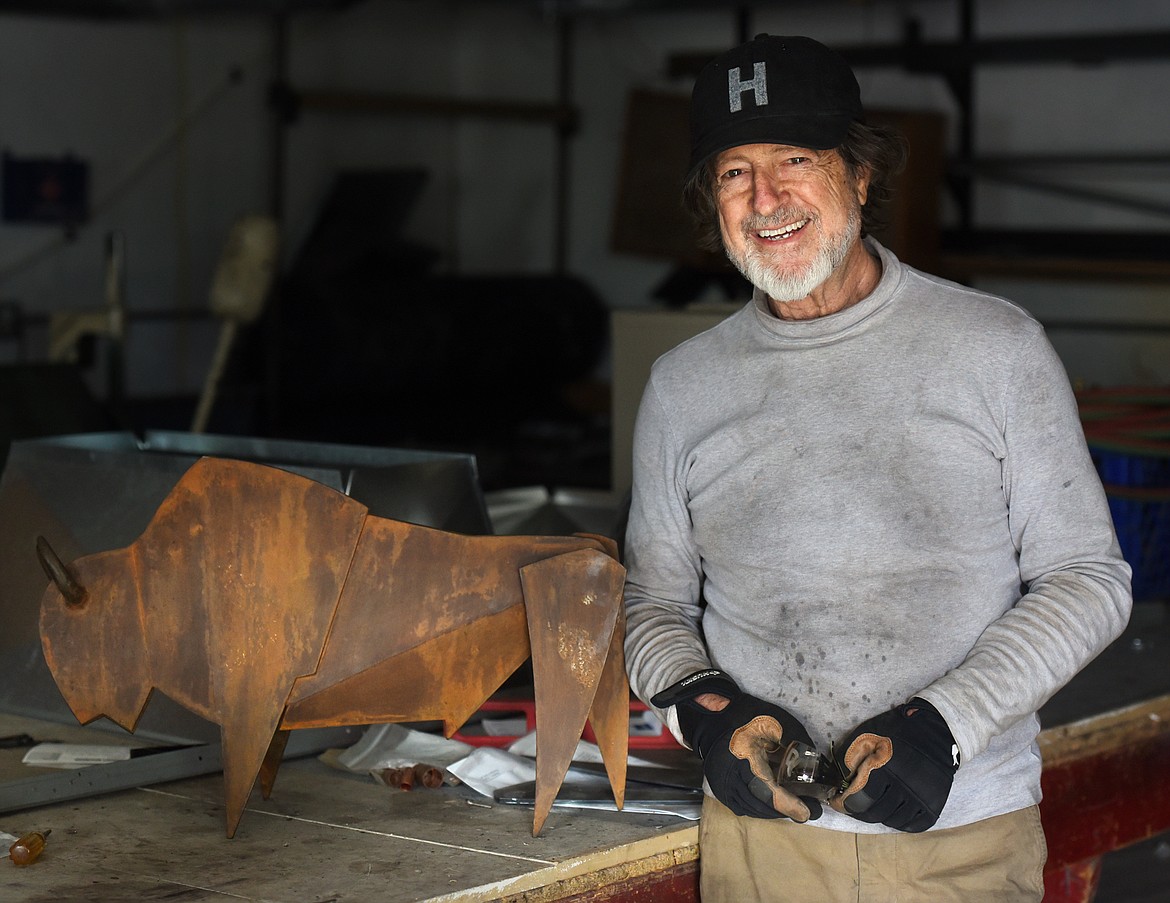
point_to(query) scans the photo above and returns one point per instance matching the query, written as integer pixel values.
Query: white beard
(793, 284)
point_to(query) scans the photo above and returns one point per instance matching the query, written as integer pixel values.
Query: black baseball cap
(773, 90)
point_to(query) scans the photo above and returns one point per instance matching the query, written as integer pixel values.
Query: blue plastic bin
(1138, 489)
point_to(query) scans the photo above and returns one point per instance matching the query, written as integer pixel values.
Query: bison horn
(56, 571)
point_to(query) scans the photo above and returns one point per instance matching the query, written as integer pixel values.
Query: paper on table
(503, 727)
(488, 769)
(387, 745)
(74, 755)
(585, 751)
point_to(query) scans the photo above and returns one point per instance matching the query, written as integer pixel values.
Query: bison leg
(247, 745)
(610, 715)
(272, 760)
(572, 603)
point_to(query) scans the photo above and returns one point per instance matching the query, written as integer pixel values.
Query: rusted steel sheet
(266, 602)
(571, 627)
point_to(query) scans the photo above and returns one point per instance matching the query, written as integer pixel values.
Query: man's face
(789, 216)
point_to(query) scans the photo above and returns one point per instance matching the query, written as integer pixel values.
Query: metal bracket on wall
(147, 767)
(95, 780)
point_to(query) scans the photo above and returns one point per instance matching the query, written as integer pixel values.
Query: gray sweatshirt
(891, 501)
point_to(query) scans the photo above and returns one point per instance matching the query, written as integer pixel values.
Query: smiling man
(863, 519)
(790, 219)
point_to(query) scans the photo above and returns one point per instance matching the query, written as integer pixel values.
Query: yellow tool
(27, 848)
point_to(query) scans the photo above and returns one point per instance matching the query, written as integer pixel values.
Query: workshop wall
(177, 148)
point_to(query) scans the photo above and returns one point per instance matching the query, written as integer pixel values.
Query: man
(863, 517)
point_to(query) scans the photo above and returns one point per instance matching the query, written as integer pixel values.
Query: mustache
(755, 222)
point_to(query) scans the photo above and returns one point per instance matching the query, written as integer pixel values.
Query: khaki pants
(746, 859)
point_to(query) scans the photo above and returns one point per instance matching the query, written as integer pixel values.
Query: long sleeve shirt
(891, 501)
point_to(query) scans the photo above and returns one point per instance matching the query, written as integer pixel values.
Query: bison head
(93, 637)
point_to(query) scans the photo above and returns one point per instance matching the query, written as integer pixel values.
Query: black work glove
(734, 745)
(901, 764)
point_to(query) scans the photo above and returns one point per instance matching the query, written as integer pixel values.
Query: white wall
(111, 91)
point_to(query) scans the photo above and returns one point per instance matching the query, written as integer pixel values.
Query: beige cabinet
(639, 338)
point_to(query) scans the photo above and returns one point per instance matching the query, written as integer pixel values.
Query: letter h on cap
(758, 86)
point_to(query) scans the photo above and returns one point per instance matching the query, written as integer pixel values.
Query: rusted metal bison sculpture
(266, 602)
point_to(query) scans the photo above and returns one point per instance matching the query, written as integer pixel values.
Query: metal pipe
(55, 569)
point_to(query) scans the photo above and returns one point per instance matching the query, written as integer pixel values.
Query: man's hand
(733, 733)
(902, 763)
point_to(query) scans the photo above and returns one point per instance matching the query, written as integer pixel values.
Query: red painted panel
(1106, 801)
